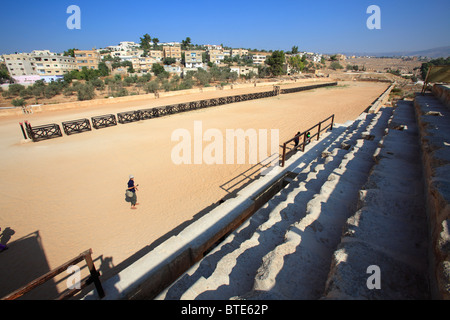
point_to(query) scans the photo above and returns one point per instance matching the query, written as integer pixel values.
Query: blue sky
(319, 26)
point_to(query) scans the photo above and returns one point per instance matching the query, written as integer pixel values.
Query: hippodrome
(56, 213)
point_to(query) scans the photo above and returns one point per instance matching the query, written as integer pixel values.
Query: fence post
(29, 130)
(318, 132)
(94, 274)
(304, 142)
(284, 154)
(23, 131)
(332, 121)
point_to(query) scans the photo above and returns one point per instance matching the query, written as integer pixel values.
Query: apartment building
(243, 70)
(172, 52)
(39, 62)
(193, 58)
(87, 58)
(143, 64)
(127, 55)
(216, 56)
(260, 58)
(156, 54)
(210, 47)
(20, 64)
(53, 64)
(239, 52)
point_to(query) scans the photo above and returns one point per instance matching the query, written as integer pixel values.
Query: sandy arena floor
(63, 196)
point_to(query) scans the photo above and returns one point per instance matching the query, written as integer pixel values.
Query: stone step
(310, 243)
(389, 229)
(229, 270)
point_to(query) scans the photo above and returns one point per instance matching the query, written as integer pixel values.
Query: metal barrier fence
(129, 116)
(314, 86)
(306, 137)
(44, 132)
(104, 121)
(76, 126)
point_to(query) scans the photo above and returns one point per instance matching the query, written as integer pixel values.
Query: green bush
(19, 102)
(86, 92)
(151, 87)
(336, 65)
(15, 89)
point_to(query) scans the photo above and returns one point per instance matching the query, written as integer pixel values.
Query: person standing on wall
(131, 192)
(296, 140)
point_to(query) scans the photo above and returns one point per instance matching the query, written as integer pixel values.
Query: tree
(185, 44)
(263, 71)
(276, 62)
(296, 63)
(152, 87)
(336, 65)
(169, 61)
(15, 89)
(103, 69)
(145, 42)
(86, 92)
(294, 50)
(70, 53)
(18, 102)
(155, 42)
(157, 69)
(203, 77)
(4, 73)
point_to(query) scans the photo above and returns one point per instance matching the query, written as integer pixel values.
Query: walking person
(131, 192)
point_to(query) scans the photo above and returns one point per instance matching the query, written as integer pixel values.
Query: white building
(243, 70)
(260, 58)
(124, 46)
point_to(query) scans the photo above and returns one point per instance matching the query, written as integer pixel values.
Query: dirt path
(66, 195)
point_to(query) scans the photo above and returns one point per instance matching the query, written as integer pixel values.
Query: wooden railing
(306, 137)
(93, 278)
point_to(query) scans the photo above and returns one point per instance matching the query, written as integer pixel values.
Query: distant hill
(431, 53)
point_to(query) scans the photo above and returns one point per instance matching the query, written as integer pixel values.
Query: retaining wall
(442, 92)
(381, 100)
(433, 118)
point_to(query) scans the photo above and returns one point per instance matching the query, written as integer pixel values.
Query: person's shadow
(6, 236)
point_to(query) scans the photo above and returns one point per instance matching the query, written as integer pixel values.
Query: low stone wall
(433, 118)
(96, 102)
(381, 100)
